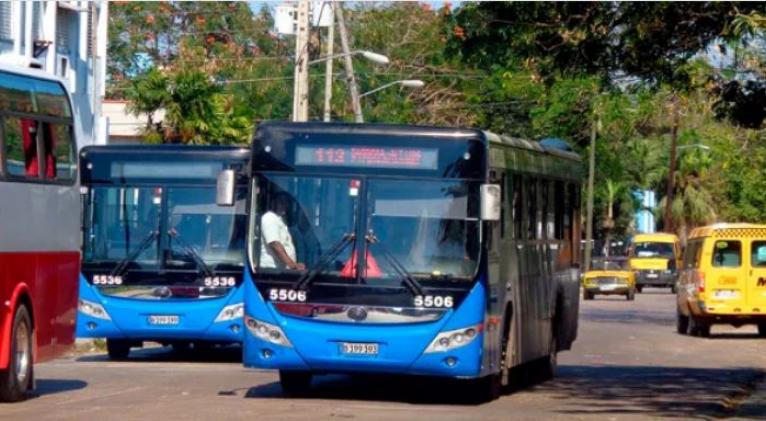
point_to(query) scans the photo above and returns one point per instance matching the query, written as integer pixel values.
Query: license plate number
(359, 348)
(163, 320)
(725, 293)
(608, 287)
(652, 275)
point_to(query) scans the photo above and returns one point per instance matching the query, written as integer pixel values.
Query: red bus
(39, 228)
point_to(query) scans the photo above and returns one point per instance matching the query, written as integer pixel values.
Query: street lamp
(369, 55)
(405, 83)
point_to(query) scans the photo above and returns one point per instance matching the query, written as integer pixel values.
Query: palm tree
(613, 190)
(692, 203)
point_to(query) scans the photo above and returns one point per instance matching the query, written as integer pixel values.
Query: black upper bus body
(131, 234)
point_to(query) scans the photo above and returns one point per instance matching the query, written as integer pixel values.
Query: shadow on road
(226, 354)
(54, 386)
(666, 392)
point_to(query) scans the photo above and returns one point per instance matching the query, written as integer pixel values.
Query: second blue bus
(162, 261)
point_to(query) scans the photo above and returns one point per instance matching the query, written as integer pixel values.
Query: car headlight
(267, 332)
(231, 312)
(93, 309)
(452, 339)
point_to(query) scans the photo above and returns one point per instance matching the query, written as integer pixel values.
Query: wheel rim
(23, 353)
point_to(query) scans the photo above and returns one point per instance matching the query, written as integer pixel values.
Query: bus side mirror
(224, 195)
(490, 202)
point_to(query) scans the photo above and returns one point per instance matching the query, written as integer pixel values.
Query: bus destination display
(368, 156)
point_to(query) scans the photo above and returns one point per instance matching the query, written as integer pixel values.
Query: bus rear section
(368, 254)
(724, 279)
(39, 211)
(162, 261)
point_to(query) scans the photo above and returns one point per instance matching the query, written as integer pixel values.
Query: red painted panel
(50, 281)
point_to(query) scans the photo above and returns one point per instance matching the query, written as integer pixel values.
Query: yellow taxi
(654, 259)
(609, 276)
(723, 279)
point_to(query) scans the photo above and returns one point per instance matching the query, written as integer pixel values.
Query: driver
(277, 249)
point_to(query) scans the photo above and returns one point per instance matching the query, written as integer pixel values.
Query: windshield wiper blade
(410, 282)
(324, 260)
(191, 252)
(120, 268)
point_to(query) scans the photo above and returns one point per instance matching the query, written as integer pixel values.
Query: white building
(65, 38)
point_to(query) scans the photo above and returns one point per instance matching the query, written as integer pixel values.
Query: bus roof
(656, 237)
(725, 229)
(30, 72)
(200, 151)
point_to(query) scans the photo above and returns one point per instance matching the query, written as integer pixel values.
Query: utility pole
(328, 64)
(350, 77)
(668, 218)
(301, 83)
(589, 205)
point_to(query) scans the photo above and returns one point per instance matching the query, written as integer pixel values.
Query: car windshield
(653, 249)
(603, 264)
(430, 229)
(131, 223)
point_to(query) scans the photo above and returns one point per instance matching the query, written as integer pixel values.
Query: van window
(758, 254)
(727, 254)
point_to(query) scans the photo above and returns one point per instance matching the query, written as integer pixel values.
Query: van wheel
(698, 327)
(631, 295)
(118, 349)
(762, 329)
(17, 378)
(682, 322)
(639, 288)
(672, 289)
(295, 383)
(587, 295)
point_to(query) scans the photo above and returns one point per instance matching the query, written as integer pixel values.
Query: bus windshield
(132, 223)
(652, 249)
(427, 229)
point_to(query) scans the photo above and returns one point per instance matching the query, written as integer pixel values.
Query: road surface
(628, 363)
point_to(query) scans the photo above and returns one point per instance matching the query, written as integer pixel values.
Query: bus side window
(517, 206)
(20, 143)
(531, 184)
(59, 151)
(559, 210)
(549, 209)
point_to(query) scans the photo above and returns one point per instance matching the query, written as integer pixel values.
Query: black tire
(182, 348)
(485, 389)
(639, 288)
(698, 327)
(118, 349)
(631, 295)
(17, 378)
(295, 383)
(682, 322)
(587, 295)
(672, 289)
(762, 330)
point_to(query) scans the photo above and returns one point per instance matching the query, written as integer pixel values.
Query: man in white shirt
(277, 248)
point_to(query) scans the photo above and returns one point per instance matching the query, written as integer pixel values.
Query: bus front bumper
(125, 318)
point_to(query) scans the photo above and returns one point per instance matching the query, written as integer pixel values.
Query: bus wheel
(486, 389)
(17, 378)
(295, 383)
(547, 370)
(682, 322)
(698, 327)
(118, 349)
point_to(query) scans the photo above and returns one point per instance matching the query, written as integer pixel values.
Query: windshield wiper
(191, 252)
(410, 282)
(120, 268)
(324, 260)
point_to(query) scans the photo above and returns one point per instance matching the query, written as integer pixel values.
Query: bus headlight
(93, 310)
(452, 339)
(231, 312)
(267, 332)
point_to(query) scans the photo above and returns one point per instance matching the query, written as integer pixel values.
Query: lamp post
(405, 83)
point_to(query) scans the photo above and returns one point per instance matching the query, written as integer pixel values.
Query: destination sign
(368, 156)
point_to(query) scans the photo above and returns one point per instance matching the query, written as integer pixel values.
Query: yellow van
(723, 279)
(654, 259)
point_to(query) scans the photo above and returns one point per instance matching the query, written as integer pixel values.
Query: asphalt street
(627, 363)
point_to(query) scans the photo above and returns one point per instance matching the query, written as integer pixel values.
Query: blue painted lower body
(129, 318)
(316, 345)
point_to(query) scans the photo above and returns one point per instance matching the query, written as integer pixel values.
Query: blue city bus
(409, 250)
(161, 260)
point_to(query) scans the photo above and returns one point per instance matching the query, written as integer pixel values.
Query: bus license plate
(351, 348)
(163, 320)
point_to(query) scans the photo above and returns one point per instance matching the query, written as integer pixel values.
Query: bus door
(755, 287)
